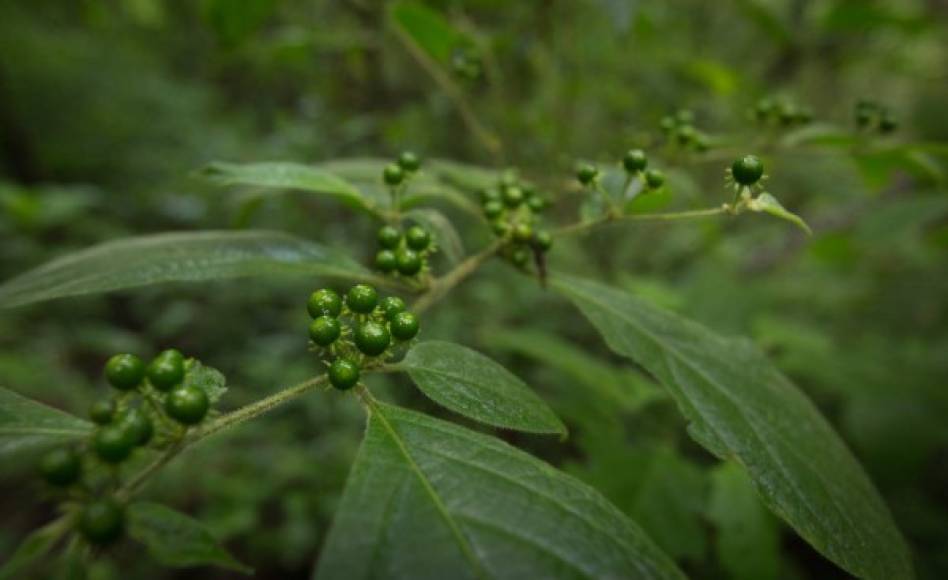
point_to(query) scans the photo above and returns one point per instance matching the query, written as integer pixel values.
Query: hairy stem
(440, 286)
(583, 227)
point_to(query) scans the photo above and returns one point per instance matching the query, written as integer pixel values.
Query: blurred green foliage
(108, 108)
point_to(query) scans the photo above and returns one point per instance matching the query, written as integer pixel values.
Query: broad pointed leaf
(428, 499)
(35, 546)
(27, 425)
(469, 383)
(175, 539)
(178, 256)
(741, 407)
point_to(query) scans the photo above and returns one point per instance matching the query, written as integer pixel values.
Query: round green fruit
(408, 262)
(113, 444)
(124, 371)
(324, 330)
(187, 405)
(747, 170)
(586, 173)
(409, 161)
(493, 209)
(513, 196)
(324, 302)
(372, 338)
(102, 522)
(635, 160)
(138, 425)
(166, 370)
(362, 298)
(392, 305)
(102, 411)
(389, 237)
(344, 374)
(543, 241)
(61, 467)
(393, 174)
(522, 233)
(654, 178)
(417, 238)
(404, 326)
(385, 261)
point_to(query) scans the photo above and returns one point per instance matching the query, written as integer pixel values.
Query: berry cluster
(513, 208)
(679, 129)
(635, 164)
(781, 112)
(153, 406)
(871, 115)
(405, 254)
(359, 332)
(395, 174)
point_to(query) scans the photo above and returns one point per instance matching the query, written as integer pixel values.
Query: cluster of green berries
(396, 173)
(360, 331)
(781, 112)
(746, 171)
(680, 130)
(871, 115)
(466, 64)
(151, 405)
(513, 209)
(635, 164)
(404, 254)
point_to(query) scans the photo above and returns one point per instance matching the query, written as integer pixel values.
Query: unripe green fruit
(324, 330)
(385, 261)
(324, 302)
(372, 338)
(404, 326)
(362, 298)
(61, 467)
(113, 444)
(409, 161)
(493, 209)
(490, 194)
(543, 241)
(187, 405)
(102, 411)
(125, 371)
(392, 305)
(586, 173)
(635, 160)
(668, 124)
(393, 174)
(166, 370)
(888, 124)
(654, 178)
(513, 196)
(138, 426)
(520, 257)
(747, 170)
(102, 522)
(408, 262)
(685, 116)
(686, 134)
(522, 233)
(536, 203)
(500, 227)
(417, 238)
(389, 237)
(343, 374)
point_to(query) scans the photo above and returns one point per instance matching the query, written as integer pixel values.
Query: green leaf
(208, 379)
(27, 425)
(768, 204)
(748, 543)
(742, 408)
(176, 257)
(428, 499)
(175, 539)
(473, 385)
(288, 176)
(443, 230)
(429, 30)
(32, 548)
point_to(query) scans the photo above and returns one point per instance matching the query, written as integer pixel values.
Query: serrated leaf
(27, 425)
(175, 539)
(282, 175)
(208, 379)
(429, 499)
(446, 237)
(769, 204)
(743, 408)
(469, 383)
(747, 540)
(177, 257)
(32, 548)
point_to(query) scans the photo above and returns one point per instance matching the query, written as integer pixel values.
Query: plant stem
(440, 286)
(583, 227)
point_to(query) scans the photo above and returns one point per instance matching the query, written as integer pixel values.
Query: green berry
(635, 160)
(61, 467)
(385, 260)
(747, 170)
(522, 232)
(513, 196)
(102, 522)
(138, 425)
(787, 114)
(101, 412)
(417, 238)
(701, 143)
(887, 124)
(685, 116)
(362, 298)
(187, 405)
(324, 302)
(324, 330)
(343, 374)
(166, 370)
(668, 124)
(493, 209)
(543, 241)
(113, 444)
(586, 173)
(536, 203)
(124, 371)
(763, 109)
(686, 134)
(404, 326)
(409, 161)
(372, 338)
(520, 257)
(490, 194)
(393, 174)
(408, 262)
(392, 305)
(654, 178)
(389, 237)
(500, 227)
